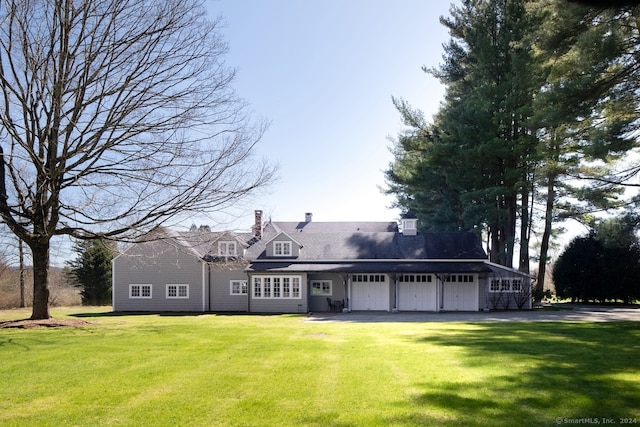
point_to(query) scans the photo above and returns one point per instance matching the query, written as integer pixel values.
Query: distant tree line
(539, 116)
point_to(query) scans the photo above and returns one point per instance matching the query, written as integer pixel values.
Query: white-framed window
(416, 278)
(140, 291)
(238, 287)
(368, 278)
(276, 287)
(227, 248)
(282, 249)
(459, 278)
(322, 287)
(516, 285)
(505, 285)
(177, 291)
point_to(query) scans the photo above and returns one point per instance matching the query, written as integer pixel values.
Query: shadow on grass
(180, 314)
(542, 374)
(138, 313)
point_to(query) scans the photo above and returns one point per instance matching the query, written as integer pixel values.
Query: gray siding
(221, 298)
(508, 300)
(483, 288)
(318, 303)
(157, 264)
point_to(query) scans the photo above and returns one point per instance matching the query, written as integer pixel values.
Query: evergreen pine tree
(91, 270)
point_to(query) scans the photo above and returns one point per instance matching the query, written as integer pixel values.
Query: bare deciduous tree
(116, 115)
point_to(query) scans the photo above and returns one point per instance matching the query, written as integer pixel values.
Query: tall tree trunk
(546, 236)
(40, 251)
(523, 261)
(21, 260)
(494, 249)
(510, 229)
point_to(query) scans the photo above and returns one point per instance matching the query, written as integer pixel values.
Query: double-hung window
(140, 291)
(177, 291)
(227, 249)
(321, 287)
(516, 285)
(238, 287)
(282, 249)
(506, 285)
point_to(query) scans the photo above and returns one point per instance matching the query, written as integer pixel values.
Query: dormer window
(227, 249)
(281, 248)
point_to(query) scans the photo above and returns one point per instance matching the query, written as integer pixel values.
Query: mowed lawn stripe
(280, 370)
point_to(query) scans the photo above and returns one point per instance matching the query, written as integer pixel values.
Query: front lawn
(246, 370)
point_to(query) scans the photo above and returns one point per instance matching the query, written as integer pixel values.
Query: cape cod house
(298, 267)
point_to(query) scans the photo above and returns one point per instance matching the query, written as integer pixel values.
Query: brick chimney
(308, 217)
(257, 228)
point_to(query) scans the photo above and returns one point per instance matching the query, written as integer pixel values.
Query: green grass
(246, 370)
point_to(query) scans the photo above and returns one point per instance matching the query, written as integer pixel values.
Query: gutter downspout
(349, 292)
(209, 283)
(249, 293)
(203, 289)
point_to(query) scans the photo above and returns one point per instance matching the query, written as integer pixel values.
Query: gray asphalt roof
(379, 245)
(335, 227)
(339, 242)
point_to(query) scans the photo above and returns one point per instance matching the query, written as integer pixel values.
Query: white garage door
(461, 295)
(417, 293)
(370, 295)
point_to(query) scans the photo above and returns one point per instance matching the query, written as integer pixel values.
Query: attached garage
(460, 292)
(369, 292)
(417, 292)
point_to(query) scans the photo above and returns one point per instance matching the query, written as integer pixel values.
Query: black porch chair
(332, 306)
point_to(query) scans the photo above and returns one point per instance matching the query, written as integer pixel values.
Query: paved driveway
(568, 313)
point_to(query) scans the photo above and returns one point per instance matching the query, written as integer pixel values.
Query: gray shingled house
(297, 267)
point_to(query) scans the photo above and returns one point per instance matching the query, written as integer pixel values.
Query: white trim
(113, 284)
(321, 282)
(241, 282)
(272, 288)
(508, 281)
(204, 294)
(285, 244)
(509, 269)
(281, 233)
(178, 287)
(227, 252)
(141, 285)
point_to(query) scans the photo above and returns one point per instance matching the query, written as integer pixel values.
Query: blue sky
(323, 73)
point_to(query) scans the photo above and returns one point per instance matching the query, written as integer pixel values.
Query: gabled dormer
(282, 246)
(228, 246)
